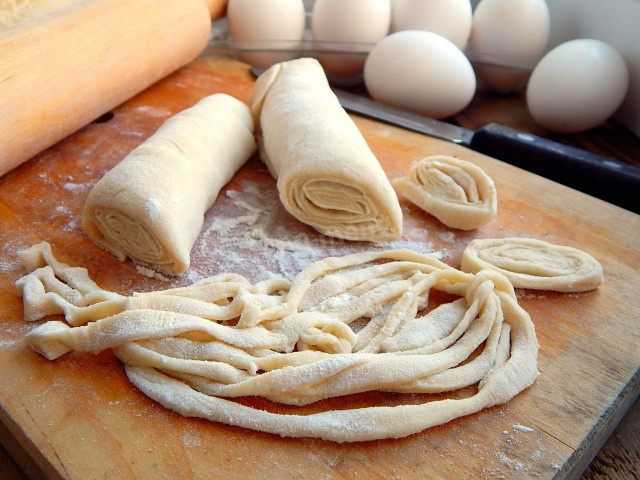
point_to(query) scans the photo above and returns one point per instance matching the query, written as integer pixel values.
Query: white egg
(254, 20)
(354, 21)
(508, 32)
(420, 71)
(577, 86)
(449, 18)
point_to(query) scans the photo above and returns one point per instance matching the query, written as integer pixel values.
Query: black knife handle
(610, 180)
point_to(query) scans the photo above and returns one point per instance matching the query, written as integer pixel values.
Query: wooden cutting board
(79, 417)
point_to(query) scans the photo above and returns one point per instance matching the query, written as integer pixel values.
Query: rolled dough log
(150, 207)
(327, 175)
(456, 192)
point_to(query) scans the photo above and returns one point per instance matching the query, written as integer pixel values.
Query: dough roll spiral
(327, 175)
(534, 264)
(150, 207)
(456, 192)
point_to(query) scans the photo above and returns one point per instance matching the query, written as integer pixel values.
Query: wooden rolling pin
(60, 71)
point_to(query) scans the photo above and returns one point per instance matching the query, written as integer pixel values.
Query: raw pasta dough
(327, 175)
(456, 192)
(535, 264)
(296, 343)
(150, 207)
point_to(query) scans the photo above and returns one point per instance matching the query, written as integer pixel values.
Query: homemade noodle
(194, 348)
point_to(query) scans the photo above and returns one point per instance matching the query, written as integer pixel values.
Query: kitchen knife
(602, 177)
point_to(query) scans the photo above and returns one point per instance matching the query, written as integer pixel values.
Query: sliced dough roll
(456, 192)
(150, 207)
(535, 264)
(327, 175)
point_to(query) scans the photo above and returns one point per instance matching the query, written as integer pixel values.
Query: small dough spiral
(193, 349)
(456, 192)
(535, 264)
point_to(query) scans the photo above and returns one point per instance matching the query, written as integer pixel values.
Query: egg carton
(221, 43)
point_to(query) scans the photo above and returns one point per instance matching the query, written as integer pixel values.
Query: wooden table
(619, 459)
(621, 456)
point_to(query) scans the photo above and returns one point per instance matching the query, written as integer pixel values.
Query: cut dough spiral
(194, 348)
(327, 175)
(150, 207)
(535, 264)
(456, 192)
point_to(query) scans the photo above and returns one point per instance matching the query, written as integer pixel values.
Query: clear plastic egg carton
(221, 43)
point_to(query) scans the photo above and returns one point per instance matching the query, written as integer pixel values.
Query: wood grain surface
(78, 417)
(619, 459)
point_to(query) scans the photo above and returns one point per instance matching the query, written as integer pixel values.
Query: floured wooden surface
(79, 417)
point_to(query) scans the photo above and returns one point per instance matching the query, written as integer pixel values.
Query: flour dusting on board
(250, 232)
(522, 428)
(74, 222)
(11, 263)
(75, 188)
(153, 111)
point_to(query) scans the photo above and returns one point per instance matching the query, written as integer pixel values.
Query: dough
(295, 343)
(456, 192)
(327, 175)
(150, 207)
(535, 264)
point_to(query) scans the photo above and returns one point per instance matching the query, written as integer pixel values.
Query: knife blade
(602, 177)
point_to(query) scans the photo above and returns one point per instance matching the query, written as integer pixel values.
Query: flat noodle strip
(294, 343)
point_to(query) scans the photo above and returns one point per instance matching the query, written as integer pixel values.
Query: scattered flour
(446, 236)
(250, 232)
(132, 133)
(576, 294)
(510, 462)
(9, 262)
(193, 276)
(61, 210)
(12, 334)
(227, 224)
(45, 178)
(6, 344)
(74, 222)
(75, 188)
(191, 440)
(521, 428)
(153, 111)
(147, 272)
